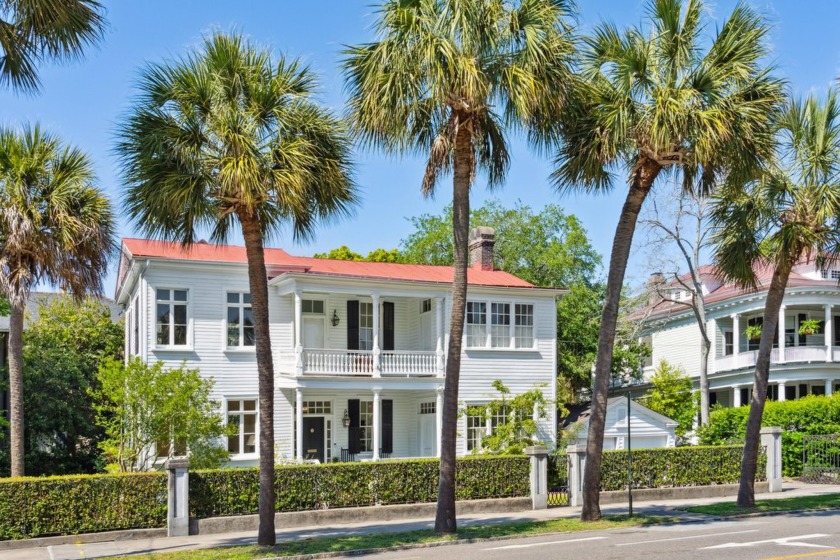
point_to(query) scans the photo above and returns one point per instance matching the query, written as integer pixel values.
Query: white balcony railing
(792, 354)
(408, 363)
(319, 361)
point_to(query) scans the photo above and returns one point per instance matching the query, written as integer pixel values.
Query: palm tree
(56, 228)
(448, 78)
(788, 214)
(658, 100)
(226, 135)
(34, 30)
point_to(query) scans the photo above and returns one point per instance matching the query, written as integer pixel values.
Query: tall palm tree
(229, 135)
(788, 214)
(656, 100)
(34, 30)
(449, 78)
(56, 228)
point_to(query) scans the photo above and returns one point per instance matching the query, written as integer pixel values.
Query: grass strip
(389, 540)
(824, 501)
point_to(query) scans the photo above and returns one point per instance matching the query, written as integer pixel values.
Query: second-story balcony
(330, 362)
(788, 355)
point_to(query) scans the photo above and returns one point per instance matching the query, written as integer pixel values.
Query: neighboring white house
(358, 347)
(802, 363)
(648, 429)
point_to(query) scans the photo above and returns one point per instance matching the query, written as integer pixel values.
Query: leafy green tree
(231, 136)
(661, 100)
(450, 79)
(787, 214)
(518, 430)
(344, 253)
(32, 31)
(56, 228)
(672, 394)
(62, 351)
(150, 411)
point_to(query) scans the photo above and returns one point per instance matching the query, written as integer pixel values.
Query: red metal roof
(278, 259)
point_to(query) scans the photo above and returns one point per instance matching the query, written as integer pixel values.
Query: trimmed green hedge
(676, 466)
(812, 415)
(68, 505)
(226, 492)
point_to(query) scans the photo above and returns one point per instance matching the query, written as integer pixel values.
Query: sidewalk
(116, 548)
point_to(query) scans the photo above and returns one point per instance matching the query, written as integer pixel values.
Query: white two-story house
(804, 361)
(359, 347)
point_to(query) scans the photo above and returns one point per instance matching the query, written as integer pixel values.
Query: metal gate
(558, 480)
(821, 459)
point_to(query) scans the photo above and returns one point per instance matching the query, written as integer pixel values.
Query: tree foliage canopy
(671, 394)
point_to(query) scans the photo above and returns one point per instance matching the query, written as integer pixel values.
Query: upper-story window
(240, 320)
(510, 325)
(524, 327)
(171, 317)
(476, 323)
(135, 326)
(365, 325)
(835, 274)
(425, 306)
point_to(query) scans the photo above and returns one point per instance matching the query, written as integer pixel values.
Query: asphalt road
(809, 535)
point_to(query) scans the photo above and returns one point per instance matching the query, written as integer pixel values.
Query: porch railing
(792, 354)
(408, 363)
(320, 361)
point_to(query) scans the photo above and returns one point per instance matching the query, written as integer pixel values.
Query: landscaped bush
(309, 487)
(811, 415)
(676, 466)
(68, 505)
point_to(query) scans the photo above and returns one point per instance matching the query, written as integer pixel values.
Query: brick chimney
(482, 240)
(654, 285)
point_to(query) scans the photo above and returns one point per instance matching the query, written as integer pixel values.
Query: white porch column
(439, 332)
(736, 338)
(299, 424)
(377, 415)
(828, 387)
(828, 331)
(736, 396)
(781, 391)
(782, 336)
(298, 339)
(438, 419)
(377, 370)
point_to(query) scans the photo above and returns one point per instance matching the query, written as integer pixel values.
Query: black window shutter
(802, 317)
(836, 326)
(354, 433)
(388, 325)
(353, 325)
(387, 426)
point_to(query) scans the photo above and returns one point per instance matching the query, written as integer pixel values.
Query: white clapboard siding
(679, 346)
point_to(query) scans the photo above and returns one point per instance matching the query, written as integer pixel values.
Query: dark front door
(313, 438)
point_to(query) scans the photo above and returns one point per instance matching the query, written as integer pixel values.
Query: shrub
(308, 487)
(68, 505)
(676, 467)
(812, 415)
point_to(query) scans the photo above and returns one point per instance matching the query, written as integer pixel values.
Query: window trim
(235, 349)
(188, 347)
(488, 326)
(249, 397)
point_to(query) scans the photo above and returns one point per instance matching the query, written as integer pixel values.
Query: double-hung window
(365, 325)
(243, 415)
(476, 324)
(240, 320)
(476, 429)
(524, 326)
(499, 325)
(171, 317)
(366, 426)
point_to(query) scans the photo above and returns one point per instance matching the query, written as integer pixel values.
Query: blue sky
(83, 102)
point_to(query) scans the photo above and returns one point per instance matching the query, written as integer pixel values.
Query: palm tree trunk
(705, 350)
(16, 385)
(258, 281)
(772, 306)
(643, 177)
(445, 521)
